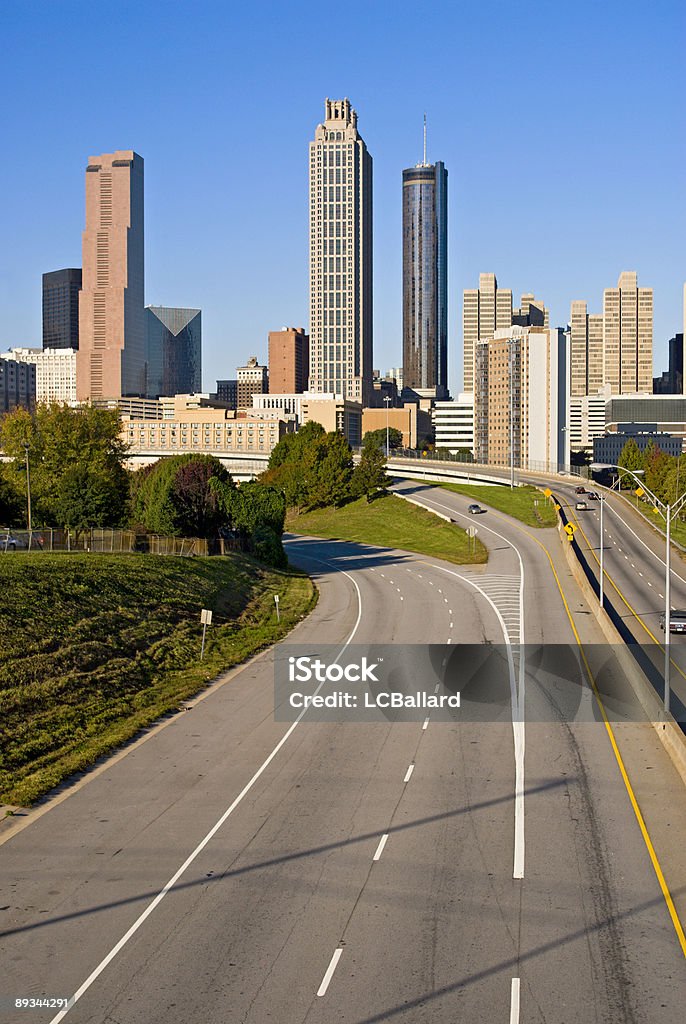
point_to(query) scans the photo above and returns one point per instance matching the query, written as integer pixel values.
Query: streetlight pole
(511, 362)
(602, 551)
(667, 511)
(28, 488)
(387, 400)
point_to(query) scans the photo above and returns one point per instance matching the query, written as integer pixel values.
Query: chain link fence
(110, 541)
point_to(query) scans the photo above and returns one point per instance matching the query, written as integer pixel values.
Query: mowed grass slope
(390, 522)
(525, 503)
(95, 647)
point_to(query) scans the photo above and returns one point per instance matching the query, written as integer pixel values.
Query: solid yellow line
(664, 888)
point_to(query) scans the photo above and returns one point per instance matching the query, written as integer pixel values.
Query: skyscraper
(111, 359)
(289, 352)
(615, 347)
(488, 309)
(485, 310)
(425, 276)
(340, 256)
(173, 351)
(61, 308)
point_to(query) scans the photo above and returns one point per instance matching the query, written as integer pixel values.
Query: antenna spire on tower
(425, 139)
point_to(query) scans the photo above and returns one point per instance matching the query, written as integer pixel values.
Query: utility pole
(28, 488)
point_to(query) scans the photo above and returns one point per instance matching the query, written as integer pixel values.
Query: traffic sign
(558, 507)
(570, 528)
(472, 531)
(547, 492)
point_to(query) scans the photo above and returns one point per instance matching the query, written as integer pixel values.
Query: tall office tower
(586, 350)
(61, 308)
(521, 413)
(289, 361)
(227, 391)
(628, 336)
(531, 313)
(615, 347)
(111, 359)
(485, 310)
(425, 276)
(252, 379)
(340, 256)
(173, 351)
(17, 384)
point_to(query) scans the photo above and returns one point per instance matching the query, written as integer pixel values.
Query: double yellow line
(664, 888)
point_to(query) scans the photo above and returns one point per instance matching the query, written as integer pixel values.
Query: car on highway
(677, 621)
(579, 490)
(593, 495)
(8, 542)
(581, 506)
(475, 510)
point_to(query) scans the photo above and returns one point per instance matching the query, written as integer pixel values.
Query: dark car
(677, 621)
(475, 510)
(579, 490)
(593, 496)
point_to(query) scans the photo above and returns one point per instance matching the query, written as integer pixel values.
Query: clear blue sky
(561, 126)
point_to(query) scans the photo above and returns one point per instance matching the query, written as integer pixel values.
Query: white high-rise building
(55, 372)
(340, 257)
(454, 423)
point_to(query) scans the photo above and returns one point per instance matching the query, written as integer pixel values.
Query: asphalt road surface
(235, 869)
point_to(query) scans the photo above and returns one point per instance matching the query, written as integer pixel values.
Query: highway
(230, 868)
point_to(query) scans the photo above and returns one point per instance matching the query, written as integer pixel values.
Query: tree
(369, 476)
(291, 447)
(10, 500)
(257, 512)
(656, 464)
(327, 471)
(85, 497)
(60, 440)
(630, 458)
(378, 437)
(176, 496)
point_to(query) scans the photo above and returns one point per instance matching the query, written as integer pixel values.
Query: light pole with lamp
(28, 488)
(388, 401)
(667, 511)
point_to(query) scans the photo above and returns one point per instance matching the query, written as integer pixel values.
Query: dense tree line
(664, 475)
(314, 469)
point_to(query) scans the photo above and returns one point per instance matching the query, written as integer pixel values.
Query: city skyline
(574, 239)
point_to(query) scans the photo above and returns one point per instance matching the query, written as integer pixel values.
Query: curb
(669, 733)
(413, 501)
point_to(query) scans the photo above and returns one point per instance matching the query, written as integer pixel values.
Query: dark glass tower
(61, 308)
(173, 354)
(425, 276)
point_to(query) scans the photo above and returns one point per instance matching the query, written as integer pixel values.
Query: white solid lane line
(408, 773)
(514, 1001)
(321, 991)
(95, 974)
(379, 849)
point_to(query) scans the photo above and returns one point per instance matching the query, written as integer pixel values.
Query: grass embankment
(95, 647)
(678, 528)
(526, 503)
(390, 522)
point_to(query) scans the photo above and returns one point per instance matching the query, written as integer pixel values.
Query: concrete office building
(173, 350)
(252, 379)
(425, 276)
(614, 348)
(521, 405)
(207, 430)
(340, 177)
(17, 384)
(227, 392)
(671, 381)
(587, 418)
(488, 309)
(608, 448)
(289, 360)
(454, 423)
(413, 423)
(55, 372)
(333, 412)
(61, 308)
(111, 359)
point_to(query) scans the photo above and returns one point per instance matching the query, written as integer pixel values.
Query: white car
(581, 506)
